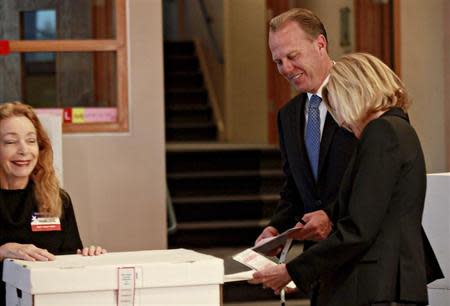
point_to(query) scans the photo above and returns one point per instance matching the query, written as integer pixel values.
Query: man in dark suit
(378, 253)
(315, 150)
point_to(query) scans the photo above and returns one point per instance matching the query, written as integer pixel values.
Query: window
(67, 57)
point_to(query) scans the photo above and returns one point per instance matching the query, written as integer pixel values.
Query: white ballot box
(162, 277)
(436, 222)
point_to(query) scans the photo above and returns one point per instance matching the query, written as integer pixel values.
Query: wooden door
(377, 30)
(279, 90)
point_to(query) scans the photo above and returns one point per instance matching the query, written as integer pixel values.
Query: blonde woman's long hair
(359, 85)
(46, 186)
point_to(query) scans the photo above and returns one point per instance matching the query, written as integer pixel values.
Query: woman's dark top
(16, 209)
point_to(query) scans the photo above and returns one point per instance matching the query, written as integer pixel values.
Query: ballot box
(162, 277)
(436, 222)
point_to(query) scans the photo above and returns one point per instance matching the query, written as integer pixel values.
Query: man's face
(303, 61)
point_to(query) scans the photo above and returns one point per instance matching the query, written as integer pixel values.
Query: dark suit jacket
(378, 251)
(301, 193)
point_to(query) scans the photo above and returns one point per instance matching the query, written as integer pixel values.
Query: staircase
(189, 115)
(223, 194)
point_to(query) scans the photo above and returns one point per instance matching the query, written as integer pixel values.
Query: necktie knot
(314, 101)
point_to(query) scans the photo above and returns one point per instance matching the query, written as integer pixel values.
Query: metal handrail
(171, 218)
(208, 21)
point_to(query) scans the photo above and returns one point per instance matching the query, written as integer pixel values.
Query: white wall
(446, 16)
(422, 65)
(425, 67)
(117, 181)
(329, 13)
(195, 28)
(245, 45)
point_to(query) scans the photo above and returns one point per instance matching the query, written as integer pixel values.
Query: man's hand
(268, 232)
(317, 227)
(276, 278)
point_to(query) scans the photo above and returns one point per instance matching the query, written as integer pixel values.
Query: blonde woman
(37, 219)
(377, 253)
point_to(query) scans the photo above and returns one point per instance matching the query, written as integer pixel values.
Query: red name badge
(4, 47)
(45, 224)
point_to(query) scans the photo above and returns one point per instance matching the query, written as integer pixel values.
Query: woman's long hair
(46, 185)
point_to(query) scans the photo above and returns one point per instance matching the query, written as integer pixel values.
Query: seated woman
(29, 190)
(377, 253)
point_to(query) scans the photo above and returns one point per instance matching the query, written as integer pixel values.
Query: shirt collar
(319, 92)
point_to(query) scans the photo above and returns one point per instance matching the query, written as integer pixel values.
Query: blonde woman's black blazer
(378, 251)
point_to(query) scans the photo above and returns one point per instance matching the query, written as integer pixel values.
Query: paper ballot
(268, 244)
(256, 262)
(253, 259)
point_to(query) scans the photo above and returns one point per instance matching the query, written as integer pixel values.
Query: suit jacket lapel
(329, 129)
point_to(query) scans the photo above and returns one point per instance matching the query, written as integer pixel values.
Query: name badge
(40, 223)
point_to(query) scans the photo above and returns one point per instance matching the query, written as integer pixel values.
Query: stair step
(186, 47)
(181, 63)
(232, 236)
(220, 174)
(187, 107)
(220, 208)
(184, 80)
(186, 96)
(194, 115)
(222, 183)
(217, 158)
(227, 198)
(191, 131)
(218, 225)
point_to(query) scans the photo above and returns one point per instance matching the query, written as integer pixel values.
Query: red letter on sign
(67, 115)
(4, 47)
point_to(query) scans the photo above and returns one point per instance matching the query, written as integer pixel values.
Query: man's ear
(321, 42)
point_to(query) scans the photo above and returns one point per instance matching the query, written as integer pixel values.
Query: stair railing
(210, 88)
(208, 21)
(171, 217)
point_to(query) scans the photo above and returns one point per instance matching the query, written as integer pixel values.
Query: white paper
(256, 262)
(241, 276)
(269, 244)
(125, 296)
(253, 260)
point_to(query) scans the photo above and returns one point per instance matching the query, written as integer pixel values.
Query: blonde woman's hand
(92, 250)
(25, 252)
(275, 278)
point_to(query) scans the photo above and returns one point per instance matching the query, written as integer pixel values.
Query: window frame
(117, 45)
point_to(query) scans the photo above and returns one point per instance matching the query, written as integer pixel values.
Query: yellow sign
(78, 115)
